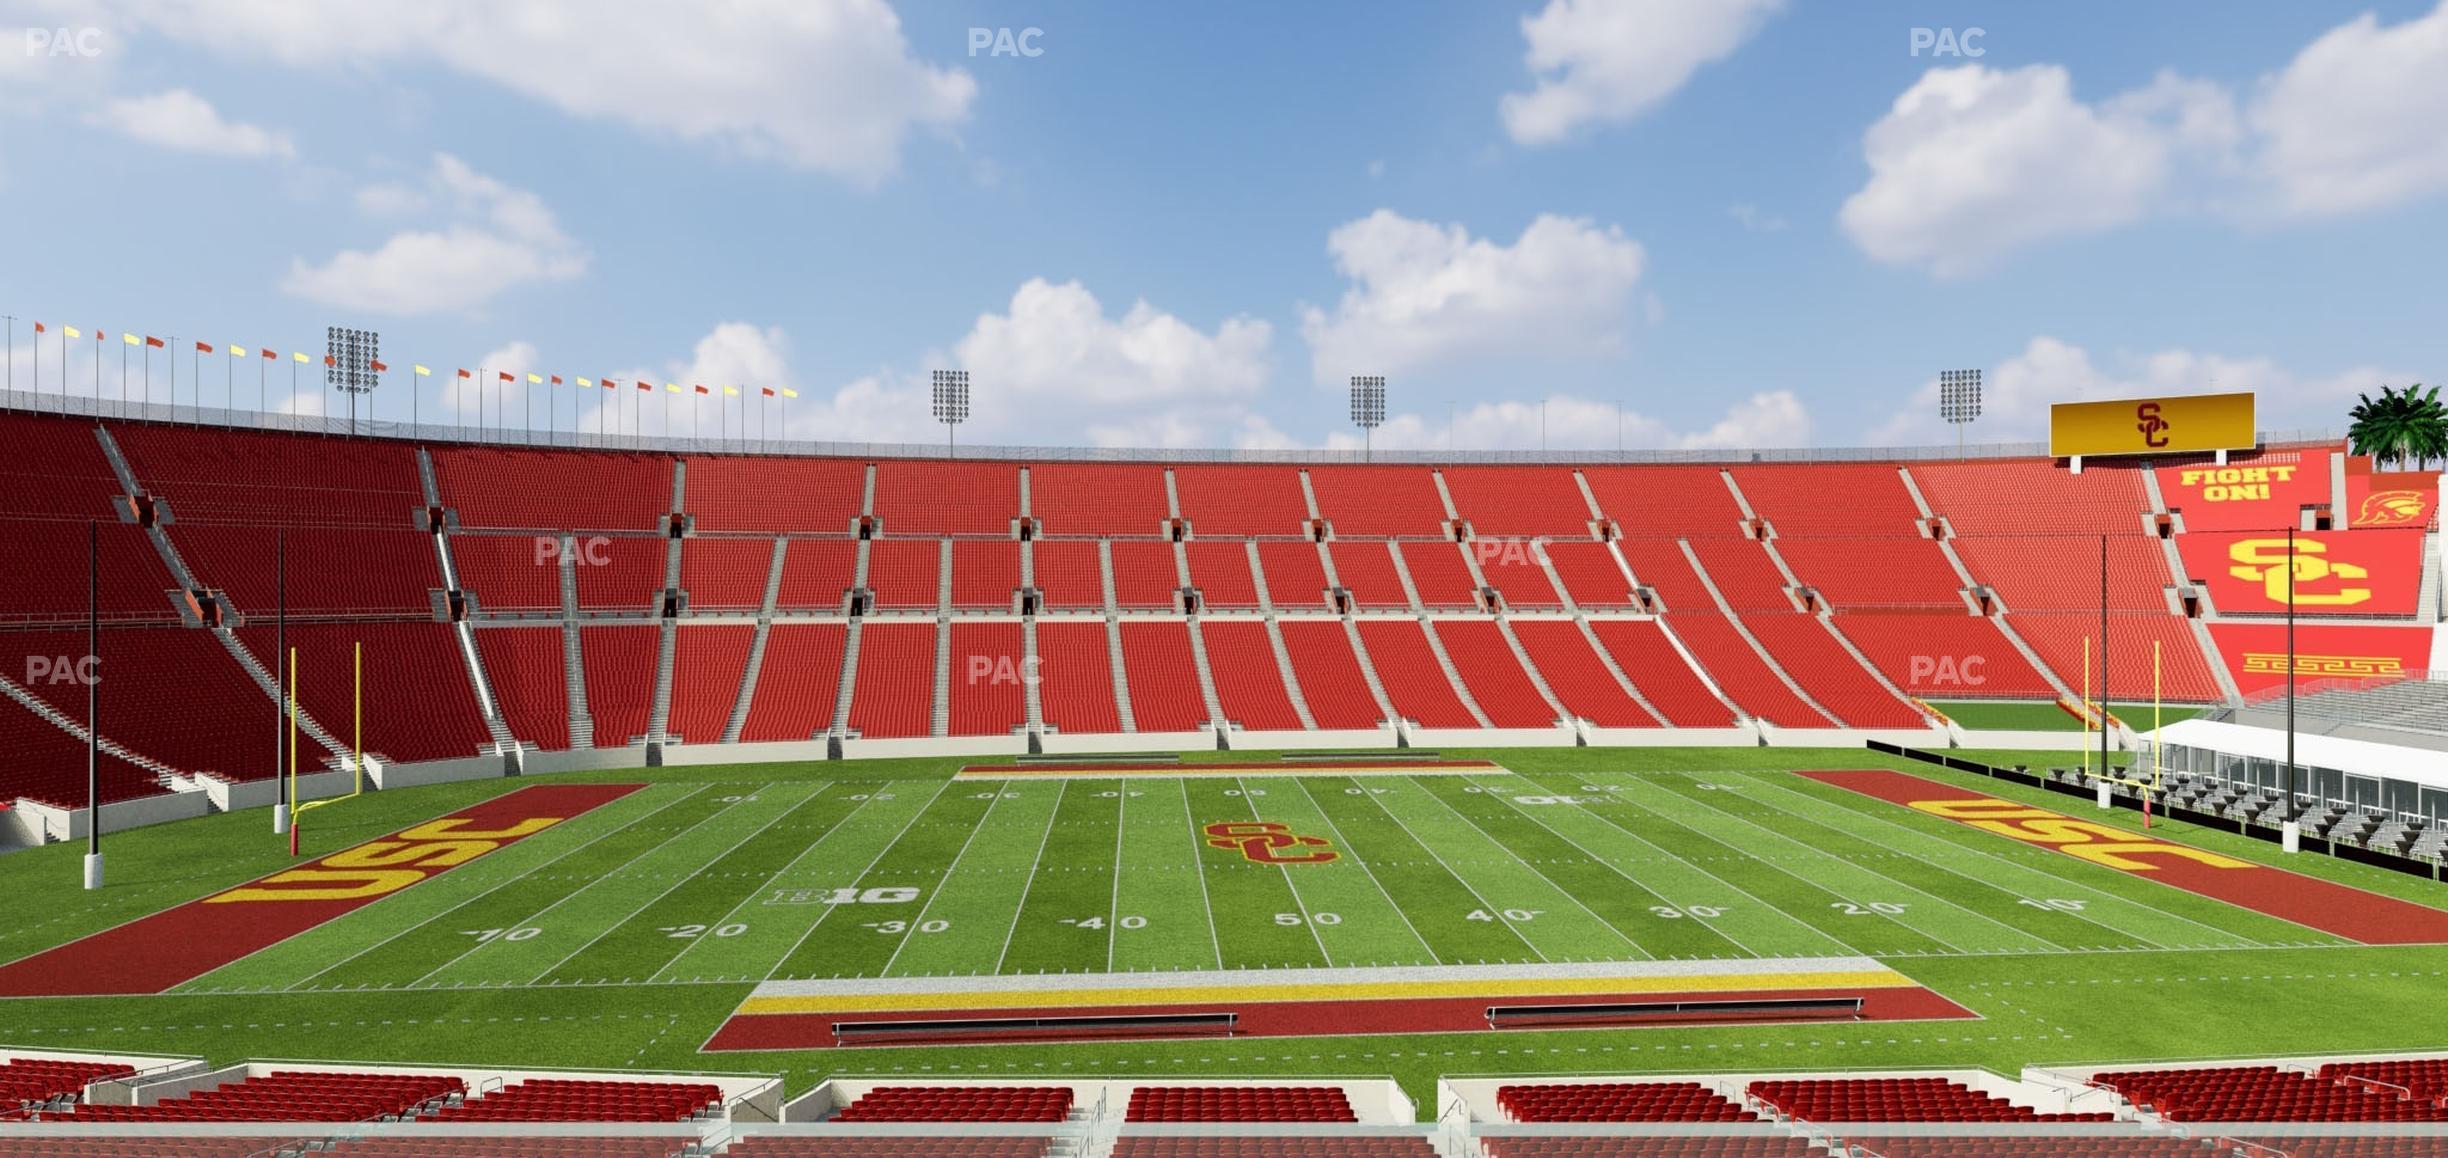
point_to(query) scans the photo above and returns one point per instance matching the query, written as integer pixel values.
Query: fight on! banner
(2268, 492)
(2256, 653)
(2372, 572)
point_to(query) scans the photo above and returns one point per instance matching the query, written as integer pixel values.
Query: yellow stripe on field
(1344, 991)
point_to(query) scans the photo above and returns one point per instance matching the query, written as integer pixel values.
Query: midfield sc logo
(1264, 842)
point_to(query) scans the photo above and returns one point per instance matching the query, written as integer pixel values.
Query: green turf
(623, 937)
(2023, 716)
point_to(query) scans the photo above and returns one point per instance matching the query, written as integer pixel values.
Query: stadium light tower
(1368, 409)
(349, 361)
(951, 403)
(1959, 401)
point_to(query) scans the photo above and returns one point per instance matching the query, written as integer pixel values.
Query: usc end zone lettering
(157, 953)
(2097, 843)
(386, 866)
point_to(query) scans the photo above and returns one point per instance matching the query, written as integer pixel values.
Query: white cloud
(1971, 164)
(2354, 121)
(2018, 391)
(498, 238)
(179, 119)
(824, 85)
(1597, 61)
(1568, 422)
(1426, 293)
(1055, 342)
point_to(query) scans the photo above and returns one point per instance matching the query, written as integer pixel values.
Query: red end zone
(170, 948)
(2324, 905)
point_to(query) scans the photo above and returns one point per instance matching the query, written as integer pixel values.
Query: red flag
(156, 343)
(204, 347)
(269, 356)
(465, 374)
(506, 376)
(644, 385)
(607, 383)
(556, 379)
(327, 360)
(38, 327)
(768, 392)
(703, 390)
(378, 367)
(99, 335)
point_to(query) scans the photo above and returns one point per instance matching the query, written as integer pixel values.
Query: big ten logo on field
(2265, 561)
(84, 42)
(1265, 842)
(1962, 671)
(2097, 843)
(592, 551)
(386, 866)
(1947, 42)
(2153, 427)
(2235, 484)
(62, 669)
(1006, 42)
(1510, 551)
(991, 670)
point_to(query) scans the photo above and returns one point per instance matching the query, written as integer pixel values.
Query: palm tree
(2408, 426)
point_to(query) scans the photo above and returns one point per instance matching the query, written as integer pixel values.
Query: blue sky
(1708, 224)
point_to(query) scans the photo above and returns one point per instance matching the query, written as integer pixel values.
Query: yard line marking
(1532, 816)
(1044, 838)
(1242, 787)
(564, 898)
(1113, 913)
(785, 870)
(1942, 901)
(1198, 868)
(687, 877)
(1775, 866)
(1560, 890)
(942, 880)
(590, 843)
(1496, 911)
(881, 853)
(2035, 864)
(1954, 872)
(1353, 852)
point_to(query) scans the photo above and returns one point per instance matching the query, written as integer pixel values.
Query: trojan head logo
(2154, 428)
(2265, 561)
(2391, 509)
(1264, 842)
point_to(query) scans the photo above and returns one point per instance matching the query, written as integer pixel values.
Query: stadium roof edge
(450, 433)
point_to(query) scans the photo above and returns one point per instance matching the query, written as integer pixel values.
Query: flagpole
(12, 354)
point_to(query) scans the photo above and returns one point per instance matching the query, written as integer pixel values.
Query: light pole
(951, 405)
(1368, 410)
(1959, 402)
(349, 357)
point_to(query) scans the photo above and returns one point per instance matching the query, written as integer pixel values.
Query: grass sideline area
(2030, 716)
(2105, 985)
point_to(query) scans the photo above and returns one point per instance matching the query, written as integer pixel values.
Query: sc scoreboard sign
(2182, 424)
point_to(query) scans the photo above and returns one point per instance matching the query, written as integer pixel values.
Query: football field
(689, 883)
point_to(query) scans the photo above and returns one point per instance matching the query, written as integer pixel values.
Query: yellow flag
(733, 391)
(72, 331)
(672, 386)
(787, 392)
(535, 379)
(237, 351)
(584, 382)
(131, 339)
(422, 372)
(299, 357)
